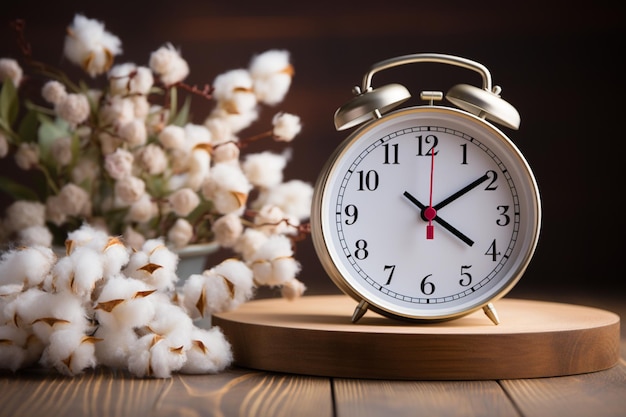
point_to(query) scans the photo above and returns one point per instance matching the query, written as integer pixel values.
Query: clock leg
(359, 311)
(491, 312)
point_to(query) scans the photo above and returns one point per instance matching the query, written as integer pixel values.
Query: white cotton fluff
(249, 242)
(123, 303)
(114, 348)
(222, 288)
(47, 312)
(155, 356)
(235, 87)
(28, 266)
(265, 169)
(273, 263)
(89, 45)
(234, 121)
(34, 236)
(227, 187)
(272, 74)
(294, 197)
(12, 351)
(210, 352)
(292, 289)
(70, 352)
(115, 256)
(170, 320)
(154, 264)
(78, 272)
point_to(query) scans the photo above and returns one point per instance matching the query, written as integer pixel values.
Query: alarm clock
(426, 213)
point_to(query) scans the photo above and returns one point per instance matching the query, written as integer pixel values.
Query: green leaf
(9, 104)
(49, 131)
(17, 191)
(182, 117)
(29, 125)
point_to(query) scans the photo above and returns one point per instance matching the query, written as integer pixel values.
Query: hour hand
(439, 220)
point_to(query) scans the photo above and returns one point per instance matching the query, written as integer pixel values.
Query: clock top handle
(371, 103)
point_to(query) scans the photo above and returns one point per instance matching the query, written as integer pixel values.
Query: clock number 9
(352, 212)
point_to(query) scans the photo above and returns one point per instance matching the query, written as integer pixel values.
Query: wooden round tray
(314, 335)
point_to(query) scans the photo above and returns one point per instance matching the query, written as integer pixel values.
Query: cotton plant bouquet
(128, 180)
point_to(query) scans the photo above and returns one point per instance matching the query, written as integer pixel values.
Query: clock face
(427, 213)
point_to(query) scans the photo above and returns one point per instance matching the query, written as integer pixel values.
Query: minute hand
(462, 191)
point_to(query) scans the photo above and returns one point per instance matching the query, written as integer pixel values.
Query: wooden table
(246, 392)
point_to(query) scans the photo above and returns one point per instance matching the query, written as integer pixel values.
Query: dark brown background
(559, 64)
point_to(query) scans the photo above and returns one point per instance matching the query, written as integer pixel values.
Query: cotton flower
(117, 111)
(126, 79)
(87, 44)
(74, 108)
(227, 230)
(221, 288)
(264, 169)
(143, 210)
(70, 352)
(22, 214)
(272, 220)
(292, 289)
(184, 201)
(227, 187)
(273, 263)
(27, 266)
(129, 189)
(134, 133)
(119, 164)
(61, 151)
(74, 200)
(210, 352)
(152, 159)
(27, 156)
(293, 197)
(172, 137)
(34, 236)
(226, 152)
(167, 63)
(272, 74)
(10, 70)
(286, 126)
(154, 264)
(53, 92)
(181, 233)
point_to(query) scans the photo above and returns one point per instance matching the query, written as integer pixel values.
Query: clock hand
(439, 220)
(430, 213)
(461, 192)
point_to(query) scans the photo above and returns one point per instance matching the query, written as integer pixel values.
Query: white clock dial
(428, 213)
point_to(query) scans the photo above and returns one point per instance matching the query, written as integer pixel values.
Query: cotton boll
(238, 279)
(273, 263)
(292, 289)
(223, 288)
(210, 352)
(29, 266)
(35, 236)
(155, 264)
(123, 303)
(170, 320)
(272, 74)
(12, 352)
(114, 348)
(191, 293)
(227, 230)
(156, 356)
(264, 169)
(293, 197)
(115, 256)
(228, 188)
(249, 242)
(70, 352)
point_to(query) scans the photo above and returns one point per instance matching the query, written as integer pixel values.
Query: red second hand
(430, 213)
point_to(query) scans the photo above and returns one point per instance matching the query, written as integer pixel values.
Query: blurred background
(559, 63)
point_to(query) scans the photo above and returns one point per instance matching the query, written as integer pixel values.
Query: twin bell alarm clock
(426, 213)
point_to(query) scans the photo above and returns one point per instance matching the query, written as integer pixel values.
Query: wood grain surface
(315, 336)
